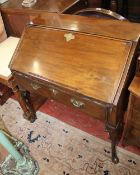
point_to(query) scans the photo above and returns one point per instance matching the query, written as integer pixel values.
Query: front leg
(114, 141)
(25, 99)
(114, 126)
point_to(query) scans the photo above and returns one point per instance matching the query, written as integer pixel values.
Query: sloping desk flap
(89, 64)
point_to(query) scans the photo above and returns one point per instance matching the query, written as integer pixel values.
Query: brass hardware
(54, 91)
(35, 86)
(69, 36)
(29, 3)
(76, 103)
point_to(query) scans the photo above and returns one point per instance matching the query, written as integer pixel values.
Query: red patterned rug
(61, 149)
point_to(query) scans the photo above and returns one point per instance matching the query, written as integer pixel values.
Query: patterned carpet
(61, 149)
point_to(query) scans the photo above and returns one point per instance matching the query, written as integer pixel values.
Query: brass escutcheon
(69, 36)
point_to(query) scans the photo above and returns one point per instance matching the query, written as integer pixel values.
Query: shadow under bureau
(79, 61)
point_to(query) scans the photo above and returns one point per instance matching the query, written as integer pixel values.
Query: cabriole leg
(114, 140)
(25, 103)
(30, 113)
(115, 159)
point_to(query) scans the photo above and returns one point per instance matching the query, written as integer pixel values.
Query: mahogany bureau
(79, 61)
(132, 127)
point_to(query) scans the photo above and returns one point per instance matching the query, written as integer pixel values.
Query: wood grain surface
(87, 64)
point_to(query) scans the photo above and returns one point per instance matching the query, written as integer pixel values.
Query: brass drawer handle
(76, 103)
(54, 91)
(35, 86)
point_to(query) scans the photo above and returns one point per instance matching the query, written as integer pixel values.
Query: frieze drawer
(58, 94)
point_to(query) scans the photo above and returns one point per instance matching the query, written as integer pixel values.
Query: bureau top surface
(88, 64)
(99, 26)
(47, 5)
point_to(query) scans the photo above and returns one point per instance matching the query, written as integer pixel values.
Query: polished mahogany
(131, 134)
(82, 62)
(15, 16)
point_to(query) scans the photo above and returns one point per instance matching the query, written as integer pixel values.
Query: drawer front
(95, 109)
(91, 108)
(136, 103)
(136, 118)
(32, 86)
(134, 137)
